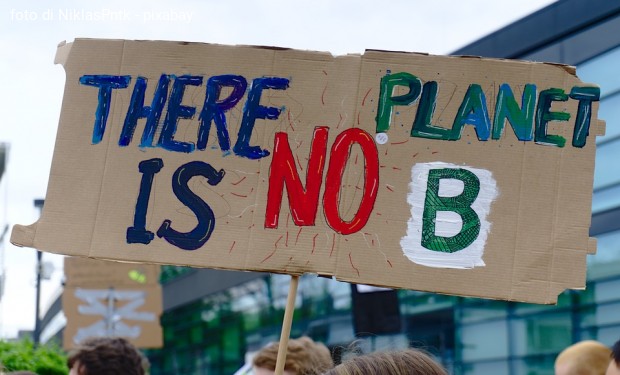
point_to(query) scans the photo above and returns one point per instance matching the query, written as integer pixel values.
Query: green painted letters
(473, 111)
(544, 115)
(387, 101)
(521, 119)
(461, 204)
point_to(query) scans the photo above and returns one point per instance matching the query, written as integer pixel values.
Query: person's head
(303, 357)
(401, 362)
(583, 358)
(106, 356)
(614, 365)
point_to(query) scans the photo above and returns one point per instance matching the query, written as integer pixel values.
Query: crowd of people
(113, 355)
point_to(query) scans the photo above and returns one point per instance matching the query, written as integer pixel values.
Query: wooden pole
(286, 325)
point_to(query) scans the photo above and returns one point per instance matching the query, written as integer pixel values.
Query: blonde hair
(584, 358)
(401, 362)
(303, 357)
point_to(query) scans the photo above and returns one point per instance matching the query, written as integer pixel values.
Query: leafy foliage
(46, 359)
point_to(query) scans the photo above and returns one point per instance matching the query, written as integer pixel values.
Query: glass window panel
(603, 70)
(607, 314)
(606, 199)
(485, 310)
(539, 334)
(607, 291)
(484, 341)
(606, 261)
(607, 168)
(609, 110)
(496, 367)
(607, 248)
(608, 335)
(564, 300)
(536, 365)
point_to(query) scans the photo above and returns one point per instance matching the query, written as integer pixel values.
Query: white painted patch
(381, 138)
(447, 223)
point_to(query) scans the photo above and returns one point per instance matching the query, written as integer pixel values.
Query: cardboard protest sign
(456, 175)
(104, 298)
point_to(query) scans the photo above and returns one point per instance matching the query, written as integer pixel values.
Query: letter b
(460, 204)
(449, 205)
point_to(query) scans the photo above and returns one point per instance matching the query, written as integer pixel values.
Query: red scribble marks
(314, 243)
(251, 226)
(290, 121)
(339, 121)
(301, 168)
(397, 169)
(356, 159)
(323, 95)
(378, 213)
(352, 265)
(399, 143)
(365, 96)
(238, 182)
(333, 244)
(324, 72)
(358, 118)
(435, 152)
(298, 233)
(275, 248)
(389, 188)
(416, 154)
(382, 166)
(238, 195)
(390, 263)
(286, 240)
(386, 152)
(231, 247)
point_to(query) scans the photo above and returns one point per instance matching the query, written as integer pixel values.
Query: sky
(32, 86)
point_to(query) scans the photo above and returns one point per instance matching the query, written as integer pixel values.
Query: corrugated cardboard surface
(150, 332)
(537, 244)
(94, 274)
(85, 272)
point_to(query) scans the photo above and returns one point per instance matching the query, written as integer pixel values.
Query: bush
(46, 359)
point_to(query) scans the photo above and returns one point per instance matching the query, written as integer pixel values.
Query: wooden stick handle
(286, 325)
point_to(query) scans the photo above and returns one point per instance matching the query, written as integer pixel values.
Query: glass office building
(213, 319)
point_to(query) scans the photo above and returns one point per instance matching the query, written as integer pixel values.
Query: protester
(303, 357)
(614, 364)
(107, 356)
(401, 362)
(583, 358)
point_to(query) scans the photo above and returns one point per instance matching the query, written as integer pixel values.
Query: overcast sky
(32, 87)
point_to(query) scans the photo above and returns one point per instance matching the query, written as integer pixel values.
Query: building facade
(214, 319)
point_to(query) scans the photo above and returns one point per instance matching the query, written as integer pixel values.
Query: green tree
(46, 359)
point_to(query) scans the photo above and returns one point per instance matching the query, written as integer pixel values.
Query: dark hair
(615, 353)
(107, 356)
(401, 362)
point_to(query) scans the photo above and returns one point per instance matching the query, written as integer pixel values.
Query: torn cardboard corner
(441, 174)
